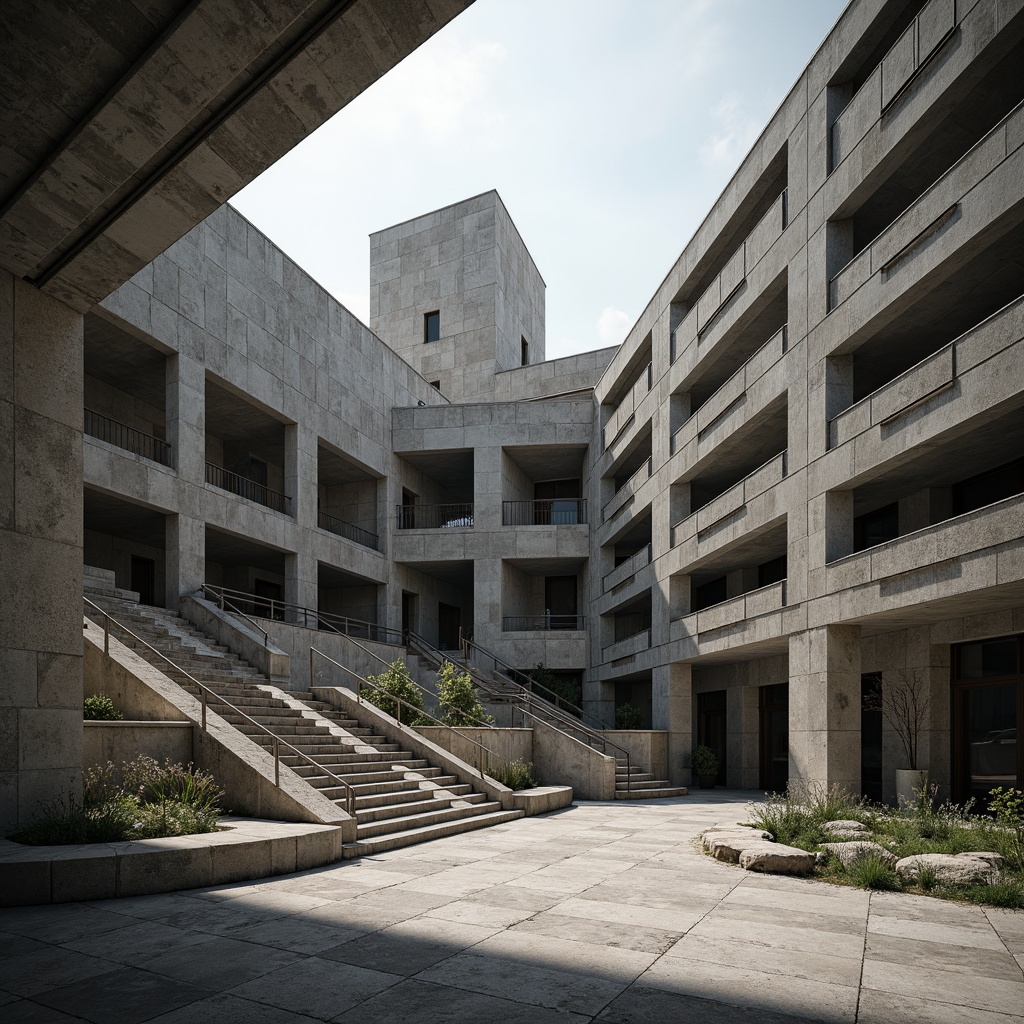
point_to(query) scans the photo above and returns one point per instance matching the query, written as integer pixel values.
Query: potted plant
(704, 764)
(905, 701)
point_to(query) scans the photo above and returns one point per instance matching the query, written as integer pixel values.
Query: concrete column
(41, 396)
(186, 556)
(185, 400)
(824, 708)
(300, 580)
(838, 524)
(672, 709)
(300, 454)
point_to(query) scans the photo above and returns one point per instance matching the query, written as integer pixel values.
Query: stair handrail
(373, 654)
(219, 594)
(566, 720)
(399, 702)
(204, 690)
(525, 680)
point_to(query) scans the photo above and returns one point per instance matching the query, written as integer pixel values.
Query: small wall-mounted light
(419, 401)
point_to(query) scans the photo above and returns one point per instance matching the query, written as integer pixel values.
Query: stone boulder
(961, 868)
(726, 844)
(850, 852)
(776, 859)
(845, 829)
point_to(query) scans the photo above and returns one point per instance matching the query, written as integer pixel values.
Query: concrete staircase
(633, 783)
(399, 799)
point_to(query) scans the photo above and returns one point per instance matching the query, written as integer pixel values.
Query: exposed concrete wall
(646, 748)
(118, 742)
(564, 761)
(503, 745)
(240, 637)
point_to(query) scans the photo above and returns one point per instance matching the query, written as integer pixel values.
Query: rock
(727, 845)
(962, 868)
(995, 859)
(776, 859)
(844, 825)
(848, 853)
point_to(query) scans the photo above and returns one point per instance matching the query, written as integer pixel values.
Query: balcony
(128, 438)
(627, 647)
(906, 60)
(750, 605)
(549, 512)
(246, 488)
(624, 411)
(627, 569)
(342, 529)
(713, 301)
(434, 517)
(545, 623)
(628, 489)
(943, 203)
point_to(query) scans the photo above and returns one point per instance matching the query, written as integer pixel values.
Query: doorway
(560, 602)
(143, 579)
(711, 728)
(988, 705)
(408, 614)
(871, 736)
(774, 715)
(449, 626)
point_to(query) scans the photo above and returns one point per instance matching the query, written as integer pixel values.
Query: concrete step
(659, 793)
(431, 817)
(401, 784)
(407, 837)
(411, 794)
(430, 805)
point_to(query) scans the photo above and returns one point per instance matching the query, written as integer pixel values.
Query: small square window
(524, 348)
(432, 326)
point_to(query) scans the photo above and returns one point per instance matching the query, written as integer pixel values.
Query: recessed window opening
(876, 527)
(432, 327)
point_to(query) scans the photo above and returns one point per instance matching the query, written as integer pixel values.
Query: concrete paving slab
(942, 955)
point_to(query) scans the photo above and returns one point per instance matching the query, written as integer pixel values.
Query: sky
(609, 128)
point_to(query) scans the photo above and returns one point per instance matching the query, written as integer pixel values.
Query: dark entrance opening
(143, 579)
(560, 602)
(449, 625)
(774, 713)
(711, 728)
(871, 736)
(408, 613)
(988, 705)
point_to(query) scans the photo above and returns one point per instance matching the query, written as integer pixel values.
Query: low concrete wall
(238, 636)
(244, 850)
(562, 760)
(647, 748)
(542, 799)
(507, 744)
(366, 714)
(123, 741)
(241, 767)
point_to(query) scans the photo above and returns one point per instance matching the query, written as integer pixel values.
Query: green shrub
(515, 774)
(396, 684)
(458, 699)
(557, 686)
(703, 761)
(98, 707)
(627, 716)
(1007, 893)
(871, 872)
(140, 799)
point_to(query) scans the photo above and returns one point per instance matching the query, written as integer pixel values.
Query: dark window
(986, 488)
(876, 527)
(560, 601)
(771, 572)
(871, 736)
(710, 593)
(432, 326)
(989, 658)
(524, 351)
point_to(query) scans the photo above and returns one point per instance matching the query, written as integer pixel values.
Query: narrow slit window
(432, 327)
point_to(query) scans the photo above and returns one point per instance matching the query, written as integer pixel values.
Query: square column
(300, 581)
(743, 737)
(185, 403)
(41, 396)
(672, 709)
(186, 557)
(824, 708)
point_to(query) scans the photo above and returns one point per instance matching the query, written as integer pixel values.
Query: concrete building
(797, 484)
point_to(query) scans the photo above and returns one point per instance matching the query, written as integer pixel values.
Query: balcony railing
(434, 517)
(627, 406)
(624, 570)
(550, 512)
(347, 530)
(246, 488)
(240, 602)
(542, 623)
(640, 476)
(131, 440)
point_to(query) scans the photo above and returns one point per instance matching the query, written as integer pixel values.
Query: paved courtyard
(603, 912)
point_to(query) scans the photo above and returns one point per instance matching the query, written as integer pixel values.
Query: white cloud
(735, 132)
(612, 326)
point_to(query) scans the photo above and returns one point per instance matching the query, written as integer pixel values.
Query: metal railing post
(312, 678)
(106, 633)
(203, 693)
(277, 764)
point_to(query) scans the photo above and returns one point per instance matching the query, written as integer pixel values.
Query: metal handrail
(325, 621)
(399, 703)
(544, 512)
(253, 490)
(131, 439)
(340, 528)
(204, 690)
(545, 622)
(434, 517)
(219, 595)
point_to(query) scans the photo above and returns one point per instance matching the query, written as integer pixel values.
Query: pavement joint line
(863, 959)
(999, 935)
